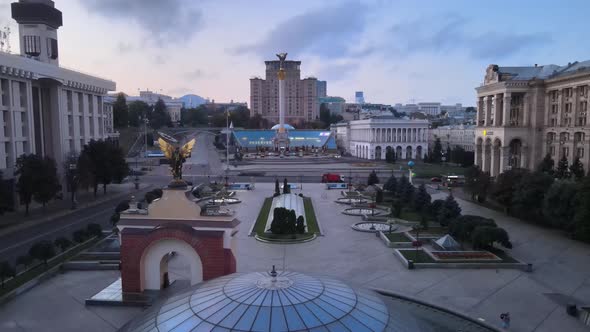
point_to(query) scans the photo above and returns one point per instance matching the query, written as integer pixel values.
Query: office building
(44, 108)
(301, 95)
(336, 105)
(322, 89)
(453, 136)
(525, 113)
(359, 97)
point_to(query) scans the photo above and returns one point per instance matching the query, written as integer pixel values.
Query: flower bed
(456, 256)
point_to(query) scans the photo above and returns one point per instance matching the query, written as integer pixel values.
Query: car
(337, 156)
(435, 179)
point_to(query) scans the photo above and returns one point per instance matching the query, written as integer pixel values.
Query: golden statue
(176, 155)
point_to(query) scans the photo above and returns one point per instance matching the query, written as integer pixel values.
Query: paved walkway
(561, 267)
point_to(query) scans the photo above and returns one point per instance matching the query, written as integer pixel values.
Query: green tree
(120, 111)
(422, 199)
(390, 184)
(62, 243)
(582, 211)
(379, 196)
(504, 187)
(256, 121)
(6, 271)
(160, 117)
(138, 110)
(559, 204)
(94, 229)
(577, 169)
(484, 237)
(46, 184)
(286, 187)
(390, 156)
(563, 171)
(396, 207)
(42, 251)
(240, 116)
(300, 225)
(435, 207)
(457, 155)
(546, 165)
(462, 227)
(325, 114)
(196, 117)
(27, 170)
(101, 162)
(436, 151)
(448, 211)
(24, 260)
(373, 179)
(477, 183)
(527, 199)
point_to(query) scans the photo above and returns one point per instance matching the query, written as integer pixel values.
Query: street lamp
(410, 166)
(72, 168)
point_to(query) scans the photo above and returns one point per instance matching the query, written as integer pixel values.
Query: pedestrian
(505, 317)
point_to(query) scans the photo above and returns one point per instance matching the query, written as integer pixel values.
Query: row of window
(565, 152)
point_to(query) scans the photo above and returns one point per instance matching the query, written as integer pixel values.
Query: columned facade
(525, 113)
(373, 138)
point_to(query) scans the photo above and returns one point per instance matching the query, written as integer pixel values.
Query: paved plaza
(535, 300)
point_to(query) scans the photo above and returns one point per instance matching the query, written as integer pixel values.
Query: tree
(448, 211)
(240, 116)
(484, 237)
(138, 110)
(436, 151)
(407, 192)
(325, 114)
(461, 228)
(300, 225)
(435, 206)
(527, 199)
(422, 200)
(396, 207)
(390, 184)
(457, 155)
(373, 179)
(577, 169)
(284, 221)
(160, 117)
(503, 189)
(80, 235)
(6, 271)
(582, 211)
(390, 156)
(563, 171)
(546, 165)
(277, 188)
(120, 111)
(27, 170)
(257, 122)
(477, 183)
(94, 229)
(24, 260)
(42, 251)
(101, 162)
(62, 243)
(46, 184)
(379, 196)
(559, 205)
(286, 187)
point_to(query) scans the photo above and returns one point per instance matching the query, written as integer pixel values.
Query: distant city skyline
(395, 52)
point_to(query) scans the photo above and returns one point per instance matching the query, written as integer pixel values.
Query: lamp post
(410, 166)
(72, 168)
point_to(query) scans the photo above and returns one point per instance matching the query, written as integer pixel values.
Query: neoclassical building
(372, 138)
(526, 112)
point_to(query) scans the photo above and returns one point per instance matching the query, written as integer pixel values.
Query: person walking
(505, 317)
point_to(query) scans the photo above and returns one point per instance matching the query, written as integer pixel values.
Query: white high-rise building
(44, 108)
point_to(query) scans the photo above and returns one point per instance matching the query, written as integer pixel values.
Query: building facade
(452, 136)
(46, 109)
(525, 113)
(359, 97)
(336, 105)
(301, 103)
(372, 138)
(322, 89)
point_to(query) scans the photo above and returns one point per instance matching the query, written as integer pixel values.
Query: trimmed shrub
(94, 230)
(24, 260)
(62, 243)
(6, 271)
(42, 251)
(80, 236)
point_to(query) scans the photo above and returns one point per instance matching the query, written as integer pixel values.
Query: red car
(436, 180)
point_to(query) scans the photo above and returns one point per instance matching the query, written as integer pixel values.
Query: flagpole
(226, 142)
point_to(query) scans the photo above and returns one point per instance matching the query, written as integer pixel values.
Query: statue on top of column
(282, 57)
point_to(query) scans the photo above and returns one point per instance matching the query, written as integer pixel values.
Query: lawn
(432, 230)
(263, 216)
(410, 215)
(312, 223)
(396, 237)
(310, 217)
(418, 256)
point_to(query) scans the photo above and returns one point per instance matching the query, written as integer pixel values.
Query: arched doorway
(479, 152)
(419, 152)
(154, 262)
(515, 153)
(378, 153)
(398, 152)
(409, 152)
(487, 155)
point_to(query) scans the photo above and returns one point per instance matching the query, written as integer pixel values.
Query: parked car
(435, 179)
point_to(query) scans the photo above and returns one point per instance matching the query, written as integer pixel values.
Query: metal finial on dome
(273, 273)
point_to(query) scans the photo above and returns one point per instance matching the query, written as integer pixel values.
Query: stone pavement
(561, 266)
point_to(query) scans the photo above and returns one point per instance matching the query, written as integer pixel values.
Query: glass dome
(289, 301)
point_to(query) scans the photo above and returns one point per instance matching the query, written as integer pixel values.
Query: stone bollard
(410, 264)
(571, 309)
(529, 267)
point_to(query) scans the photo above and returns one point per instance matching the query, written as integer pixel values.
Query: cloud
(124, 48)
(337, 72)
(195, 74)
(165, 21)
(452, 33)
(325, 32)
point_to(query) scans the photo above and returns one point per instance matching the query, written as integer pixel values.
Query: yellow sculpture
(176, 155)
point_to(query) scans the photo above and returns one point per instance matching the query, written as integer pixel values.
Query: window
(566, 151)
(580, 153)
(52, 48)
(32, 45)
(553, 122)
(553, 109)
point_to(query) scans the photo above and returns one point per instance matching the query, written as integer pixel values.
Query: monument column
(506, 109)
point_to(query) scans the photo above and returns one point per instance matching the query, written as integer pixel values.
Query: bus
(336, 185)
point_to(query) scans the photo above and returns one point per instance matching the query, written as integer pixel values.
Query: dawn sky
(394, 51)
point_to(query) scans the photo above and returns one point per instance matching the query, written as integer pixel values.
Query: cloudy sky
(394, 51)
